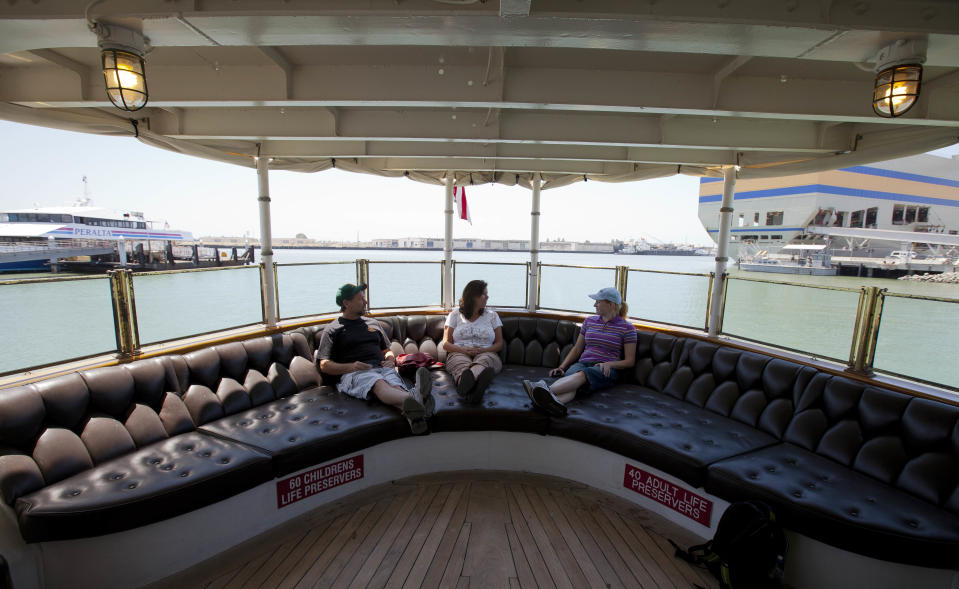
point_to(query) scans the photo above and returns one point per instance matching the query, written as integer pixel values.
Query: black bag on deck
(748, 550)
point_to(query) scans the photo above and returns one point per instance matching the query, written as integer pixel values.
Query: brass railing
(862, 347)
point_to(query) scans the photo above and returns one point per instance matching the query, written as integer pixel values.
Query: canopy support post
(725, 219)
(266, 242)
(532, 299)
(448, 245)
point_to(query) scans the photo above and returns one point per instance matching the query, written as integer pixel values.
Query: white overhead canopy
(610, 90)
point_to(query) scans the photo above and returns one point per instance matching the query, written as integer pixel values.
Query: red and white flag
(459, 196)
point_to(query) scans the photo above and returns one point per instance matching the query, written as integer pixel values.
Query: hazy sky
(44, 167)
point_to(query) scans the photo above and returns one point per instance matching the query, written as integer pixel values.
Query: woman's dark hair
(473, 289)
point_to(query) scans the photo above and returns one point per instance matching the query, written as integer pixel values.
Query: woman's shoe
(482, 383)
(466, 384)
(547, 401)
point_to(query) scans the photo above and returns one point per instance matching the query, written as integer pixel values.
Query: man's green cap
(348, 291)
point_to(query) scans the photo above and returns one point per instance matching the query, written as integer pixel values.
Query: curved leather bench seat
(854, 466)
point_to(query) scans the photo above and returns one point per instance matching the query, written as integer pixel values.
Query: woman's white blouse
(476, 334)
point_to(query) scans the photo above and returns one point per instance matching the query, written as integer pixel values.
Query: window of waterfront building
(756, 219)
(742, 219)
(763, 237)
(821, 217)
(840, 219)
(776, 237)
(4, 218)
(773, 218)
(910, 215)
(871, 215)
(898, 212)
(923, 215)
(856, 219)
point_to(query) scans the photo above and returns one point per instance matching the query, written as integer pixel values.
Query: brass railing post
(866, 330)
(539, 284)
(363, 277)
(532, 305)
(263, 279)
(276, 291)
(124, 312)
(622, 278)
(709, 300)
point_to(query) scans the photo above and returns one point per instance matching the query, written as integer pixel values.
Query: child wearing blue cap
(606, 345)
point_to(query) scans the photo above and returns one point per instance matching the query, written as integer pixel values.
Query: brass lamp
(121, 53)
(898, 77)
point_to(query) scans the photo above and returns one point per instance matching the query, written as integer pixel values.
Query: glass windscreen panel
(678, 299)
(404, 284)
(182, 304)
(555, 292)
(53, 321)
(506, 283)
(310, 289)
(817, 321)
(919, 338)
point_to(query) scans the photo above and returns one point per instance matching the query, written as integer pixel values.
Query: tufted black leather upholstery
(76, 432)
(311, 427)
(505, 406)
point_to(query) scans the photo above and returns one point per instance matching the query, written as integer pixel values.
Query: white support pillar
(122, 251)
(266, 240)
(725, 218)
(448, 245)
(533, 300)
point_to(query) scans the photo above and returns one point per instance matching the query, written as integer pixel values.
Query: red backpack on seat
(407, 364)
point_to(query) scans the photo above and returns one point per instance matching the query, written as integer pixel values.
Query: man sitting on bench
(355, 351)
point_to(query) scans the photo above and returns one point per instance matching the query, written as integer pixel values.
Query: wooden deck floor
(487, 529)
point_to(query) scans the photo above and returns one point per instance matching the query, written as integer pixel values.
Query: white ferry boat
(32, 238)
(868, 210)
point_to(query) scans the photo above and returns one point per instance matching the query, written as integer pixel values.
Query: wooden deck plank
(488, 559)
(638, 546)
(401, 569)
(440, 559)
(398, 544)
(693, 574)
(371, 564)
(609, 576)
(618, 544)
(454, 567)
(557, 512)
(352, 567)
(534, 558)
(289, 571)
(428, 552)
(541, 542)
(323, 559)
(565, 556)
(524, 574)
(271, 564)
(359, 536)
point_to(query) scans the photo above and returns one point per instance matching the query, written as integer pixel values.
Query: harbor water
(50, 322)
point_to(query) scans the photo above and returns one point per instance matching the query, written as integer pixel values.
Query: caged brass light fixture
(121, 53)
(898, 77)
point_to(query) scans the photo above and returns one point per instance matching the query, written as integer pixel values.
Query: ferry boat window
(4, 218)
(774, 218)
(923, 215)
(141, 225)
(871, 214)
(910, 215)
(756, 219)
(856, 219)
(898, 212)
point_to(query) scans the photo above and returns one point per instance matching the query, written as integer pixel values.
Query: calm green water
(51, 322)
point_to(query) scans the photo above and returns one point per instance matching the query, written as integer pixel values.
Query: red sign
(662, 491)
(323, 478)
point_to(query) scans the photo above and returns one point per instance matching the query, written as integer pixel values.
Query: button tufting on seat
(267, 430)
(167, 467)
(292, 439)
(155, 460)
(72, 493)
(206, 454)
(316, 422)
(187, 448)
(797, 493)
(289, 407)
(645, 432)
(753, 476)
(791, 461)
(335, 426)
(340, 412)
(853, 512)
(184, 474)
(326, 408)
(687, 447)
(912, 523)
(770, 468)
(115, 476)
(225, 460)
(298, 418)
(132, 485)
(244, 423)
